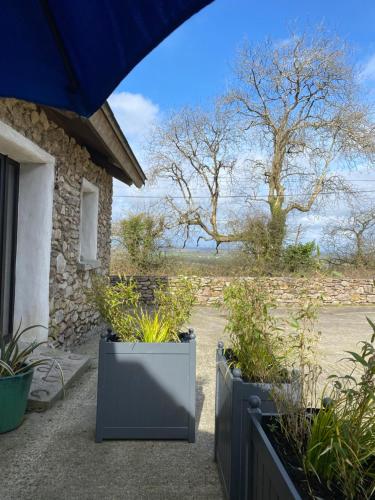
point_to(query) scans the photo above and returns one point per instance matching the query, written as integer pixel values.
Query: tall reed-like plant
(255, 332)
(341, 446)
(300, 345)
(116, 304)
(175, 304)
(334, 435)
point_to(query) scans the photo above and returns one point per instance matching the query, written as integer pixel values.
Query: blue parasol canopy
(71, 54)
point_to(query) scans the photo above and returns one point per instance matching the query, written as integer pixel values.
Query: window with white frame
(89, 221)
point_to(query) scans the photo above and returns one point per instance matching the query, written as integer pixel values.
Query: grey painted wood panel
(146, 391)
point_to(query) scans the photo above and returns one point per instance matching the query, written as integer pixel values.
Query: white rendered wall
(34, 248)
(34, 229)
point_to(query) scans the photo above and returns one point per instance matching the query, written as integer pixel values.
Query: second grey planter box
(231, 405)
(146, 391)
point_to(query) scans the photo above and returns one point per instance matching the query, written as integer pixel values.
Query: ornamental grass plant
(255, 333)
(152, 328)
(120, 306)
(340, 449)
(332, 435)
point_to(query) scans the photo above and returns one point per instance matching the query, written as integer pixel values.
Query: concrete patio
(53, 454)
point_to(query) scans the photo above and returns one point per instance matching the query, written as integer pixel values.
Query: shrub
(300, 257)
(141, 235)
(254, 331)
(300, 359)
(336, 443)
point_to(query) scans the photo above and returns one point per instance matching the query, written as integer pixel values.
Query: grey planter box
(266, 477)
(146, 391)
(231, 404)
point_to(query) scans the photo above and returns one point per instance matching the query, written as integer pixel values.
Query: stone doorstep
(46, 386)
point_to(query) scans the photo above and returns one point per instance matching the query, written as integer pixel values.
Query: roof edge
(103, 120)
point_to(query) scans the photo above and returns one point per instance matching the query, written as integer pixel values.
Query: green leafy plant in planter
(115, 304)
(334, 442)
(300, 358)
(255, 366)
(341, 446)
(255, 332)
(13, 360)
(176, 303)
(151, 328)
(119, 305)
(16, 372)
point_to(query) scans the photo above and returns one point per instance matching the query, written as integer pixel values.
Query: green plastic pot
(13, 399)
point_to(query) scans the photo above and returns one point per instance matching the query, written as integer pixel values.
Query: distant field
(188, 261)
(206, 262)
(201, 256)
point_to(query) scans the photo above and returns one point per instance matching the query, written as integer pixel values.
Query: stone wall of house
(71, 315)
(285, 290)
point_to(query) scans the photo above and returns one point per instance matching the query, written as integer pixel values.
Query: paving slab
(52, 379)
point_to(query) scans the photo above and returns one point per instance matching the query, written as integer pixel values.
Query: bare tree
(299, 103)
(198, 151)
(352, 239)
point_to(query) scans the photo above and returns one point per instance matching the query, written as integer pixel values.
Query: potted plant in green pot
(16, 374)
(146, 372)
(255, 363)
(317, 452)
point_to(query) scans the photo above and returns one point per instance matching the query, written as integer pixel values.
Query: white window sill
(88, 265)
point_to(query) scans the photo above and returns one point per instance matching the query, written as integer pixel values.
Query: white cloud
(135, 113)
(367, 73)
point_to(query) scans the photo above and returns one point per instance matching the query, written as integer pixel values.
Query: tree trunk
(277, 231)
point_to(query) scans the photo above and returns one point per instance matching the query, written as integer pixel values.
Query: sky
(194, 63)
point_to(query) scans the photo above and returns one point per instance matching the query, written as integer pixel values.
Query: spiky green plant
(13, 359)
(152, 328)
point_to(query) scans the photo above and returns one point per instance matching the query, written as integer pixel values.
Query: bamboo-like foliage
(254, 331)
(341, 447)
(116, 304)
(336, 443)
(175, 305)
(300, 346)
(119, 305)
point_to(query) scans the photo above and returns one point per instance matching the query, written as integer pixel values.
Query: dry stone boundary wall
(285, 290)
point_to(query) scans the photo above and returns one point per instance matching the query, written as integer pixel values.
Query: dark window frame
(9, 196)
